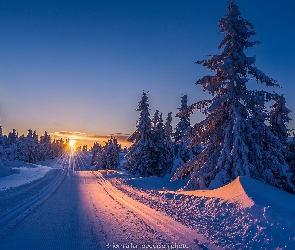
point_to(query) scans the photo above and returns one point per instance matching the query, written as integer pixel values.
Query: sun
(72, 143)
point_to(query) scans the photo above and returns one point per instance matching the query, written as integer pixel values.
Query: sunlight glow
(82, 139)
(72, 143)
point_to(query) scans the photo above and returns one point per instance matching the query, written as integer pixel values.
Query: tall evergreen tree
(182, 152)
(184, 123)
(237, 141)
(139, 157)
(159, 153)
(150, 154)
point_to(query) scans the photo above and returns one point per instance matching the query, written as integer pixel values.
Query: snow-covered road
(87, 212)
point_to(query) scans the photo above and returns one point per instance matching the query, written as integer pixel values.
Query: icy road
(79, 209)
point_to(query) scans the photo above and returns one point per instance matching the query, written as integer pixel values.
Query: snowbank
(247, 192)
(26, 174)
(245, 214)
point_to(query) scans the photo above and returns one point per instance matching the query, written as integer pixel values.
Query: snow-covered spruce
(162, 150)
(182, 152)
(110, 154)
(138, 156)
(44, 147)
(237, 140)
(96, 151)
(150, 154)
(29, 148)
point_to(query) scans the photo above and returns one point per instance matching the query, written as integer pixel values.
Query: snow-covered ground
(27, 173)
(245, 214)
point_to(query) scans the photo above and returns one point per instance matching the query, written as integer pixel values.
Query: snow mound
(245, 214)
(26, 175)
(247, 192)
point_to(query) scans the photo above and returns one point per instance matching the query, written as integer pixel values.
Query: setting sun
(72, 143)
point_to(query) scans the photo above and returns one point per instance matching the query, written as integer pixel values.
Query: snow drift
(248, 192)
(245, 214)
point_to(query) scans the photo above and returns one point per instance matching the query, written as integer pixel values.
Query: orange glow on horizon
(81, 139)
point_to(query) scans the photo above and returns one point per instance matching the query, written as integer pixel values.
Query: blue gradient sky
(82, 65)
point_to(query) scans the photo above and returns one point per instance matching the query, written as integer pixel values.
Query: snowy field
(245, 214)
(27, 173)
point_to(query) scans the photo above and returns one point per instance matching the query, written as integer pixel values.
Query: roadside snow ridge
(247, 192)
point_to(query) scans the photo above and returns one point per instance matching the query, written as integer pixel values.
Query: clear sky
(81, 66)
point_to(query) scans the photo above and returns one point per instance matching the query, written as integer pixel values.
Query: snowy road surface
(87, 212)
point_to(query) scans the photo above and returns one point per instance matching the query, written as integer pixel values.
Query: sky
(81, 66)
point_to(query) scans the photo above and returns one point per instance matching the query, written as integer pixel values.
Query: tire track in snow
(81, 214)
(114, 224)
(9, 219)
(58, 223)
(172, 230)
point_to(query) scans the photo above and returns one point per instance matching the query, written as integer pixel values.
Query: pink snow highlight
(245, 214)
(247, 192)
(233, 192)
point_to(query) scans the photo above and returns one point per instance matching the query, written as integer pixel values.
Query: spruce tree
(44, 146)
(31, 147)
(237, 141)
(110, 154)
(161, 158)
(182, 152)
(21, 148)
(139, 157)
(10, 145)
(12, 137)
(96, 151)
(151, 153)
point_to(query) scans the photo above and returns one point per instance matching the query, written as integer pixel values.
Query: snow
(247, 192)
(120, 208)
(234, 192)
(245, 214)
(26, 175)
(156, 183)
